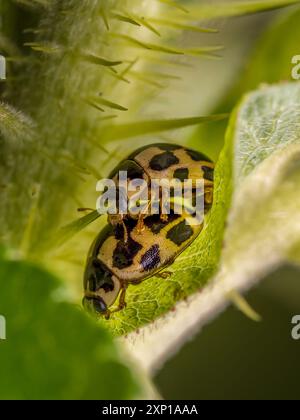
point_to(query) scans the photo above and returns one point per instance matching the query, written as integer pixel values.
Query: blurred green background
(236, 358)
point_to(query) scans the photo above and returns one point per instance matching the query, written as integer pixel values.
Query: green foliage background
(87, 82)
(52, 350)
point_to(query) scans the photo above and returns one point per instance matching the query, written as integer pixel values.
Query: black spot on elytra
(163, 161)
(197, 156)
(119, 232)
(162, 146)
(133, 169)
(155, 224)
(181, 174)
(167, 146)
(119, 229)
(125, 252)
(98, 277)
(180, 233)
(151, 258)
(208, 173)
(130, 224)
(207, 207)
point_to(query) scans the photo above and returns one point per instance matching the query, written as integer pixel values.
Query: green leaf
(264, 220)
(53, 350)
(270, 62)
(263, 226)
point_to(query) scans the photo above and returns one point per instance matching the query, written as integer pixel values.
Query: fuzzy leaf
(263, 225)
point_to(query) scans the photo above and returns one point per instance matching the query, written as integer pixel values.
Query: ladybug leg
(164, 198)
(107, 314)
(164, 275)
(122, 303)
(142, 216)
(208, 194)
(85, 209)
(125, 232)
(140, 225)
(164, 218)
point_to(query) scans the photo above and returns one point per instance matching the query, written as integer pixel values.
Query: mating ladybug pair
(132, 248)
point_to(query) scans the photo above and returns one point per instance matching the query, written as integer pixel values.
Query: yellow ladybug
(121, 256)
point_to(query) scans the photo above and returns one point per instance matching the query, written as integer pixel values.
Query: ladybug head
(94, 305)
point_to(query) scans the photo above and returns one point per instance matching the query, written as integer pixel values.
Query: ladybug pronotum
(131, 249)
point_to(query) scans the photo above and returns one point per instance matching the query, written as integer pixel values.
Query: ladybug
(120, 255)
(161, 161)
